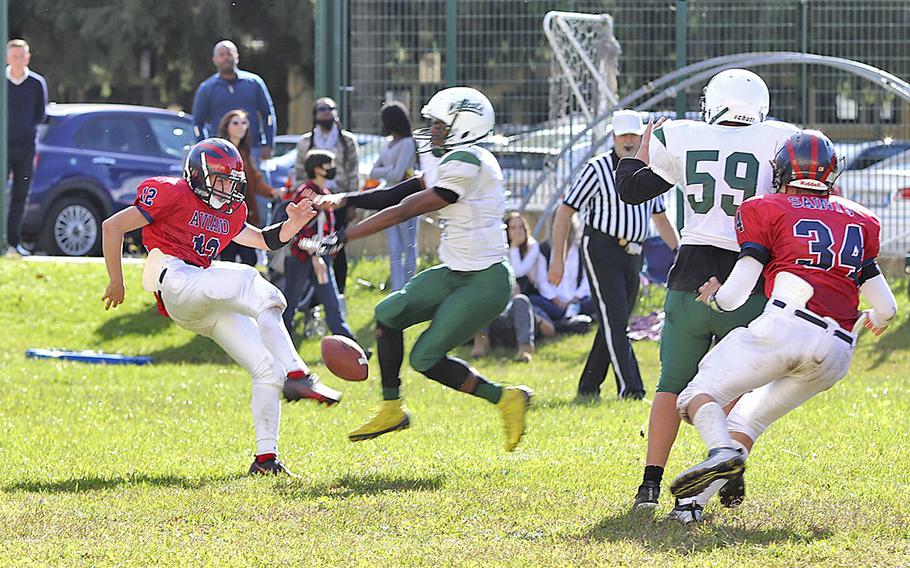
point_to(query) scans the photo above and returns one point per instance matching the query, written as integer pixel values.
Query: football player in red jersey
(817, 254)
(185, 223)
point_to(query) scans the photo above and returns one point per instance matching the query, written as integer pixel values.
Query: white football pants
(237, 308)
(782, 359)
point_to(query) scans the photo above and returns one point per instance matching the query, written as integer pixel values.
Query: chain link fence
(408, 49)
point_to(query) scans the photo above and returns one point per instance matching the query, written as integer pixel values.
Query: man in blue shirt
(230, 89)
(27, 97)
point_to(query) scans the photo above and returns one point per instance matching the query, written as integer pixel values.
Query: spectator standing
(235, 127)
(396, 162)
(26, 101)
(301, 268)
(611, 247)
(327, 134)
(232, 88)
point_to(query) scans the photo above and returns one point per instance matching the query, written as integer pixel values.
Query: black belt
(815, 321)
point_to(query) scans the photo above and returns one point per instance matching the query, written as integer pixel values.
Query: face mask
(325, 124)
(330, 173)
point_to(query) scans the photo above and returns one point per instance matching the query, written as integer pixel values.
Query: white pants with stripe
(237, 308)
(779, 361)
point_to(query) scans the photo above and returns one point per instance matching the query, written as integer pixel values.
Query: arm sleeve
(200, 111)
(153, 200)
(753, 231)
(739, 285)
(523, 266)
(458, 172)
(881, 298)
(41, 102)
(660, 204)
(267, 111)
(583, 187)
(636, 183)
(376, 199)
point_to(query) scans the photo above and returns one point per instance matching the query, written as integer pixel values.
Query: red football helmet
(214, 169)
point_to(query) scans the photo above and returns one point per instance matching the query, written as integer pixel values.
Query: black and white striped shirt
(594, 193)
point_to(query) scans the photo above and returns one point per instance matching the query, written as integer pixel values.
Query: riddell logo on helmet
(466, 105)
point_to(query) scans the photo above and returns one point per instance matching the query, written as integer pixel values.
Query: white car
(885, 189)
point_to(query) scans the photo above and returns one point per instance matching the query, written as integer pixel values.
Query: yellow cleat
(391, 416)
(514, 405)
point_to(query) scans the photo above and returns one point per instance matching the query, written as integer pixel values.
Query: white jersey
(717, 167)
(473, 233)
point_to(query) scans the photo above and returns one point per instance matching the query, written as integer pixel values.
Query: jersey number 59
(740, 173)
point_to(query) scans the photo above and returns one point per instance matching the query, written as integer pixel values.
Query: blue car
(90, 158)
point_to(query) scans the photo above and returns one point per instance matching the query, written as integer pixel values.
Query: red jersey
(181, 225)
(324, 218)
(824, 240)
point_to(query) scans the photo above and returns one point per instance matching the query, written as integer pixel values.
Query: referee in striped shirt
(611, 248)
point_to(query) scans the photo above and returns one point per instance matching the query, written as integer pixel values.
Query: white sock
(266, 406)
(278, 341)
(711, 423)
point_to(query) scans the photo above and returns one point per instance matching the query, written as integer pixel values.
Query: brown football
(344, 358)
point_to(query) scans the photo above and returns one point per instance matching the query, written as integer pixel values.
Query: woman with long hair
(396, 162)
(235, 127)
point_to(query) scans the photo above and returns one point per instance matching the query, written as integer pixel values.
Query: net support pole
(682, 18)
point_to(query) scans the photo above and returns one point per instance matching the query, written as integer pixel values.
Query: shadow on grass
(94, 483)
(146, 322)
(895, 339)
(663, 534)
(195, 351)
(365, 484)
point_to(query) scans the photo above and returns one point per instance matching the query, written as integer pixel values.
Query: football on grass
(344, 358)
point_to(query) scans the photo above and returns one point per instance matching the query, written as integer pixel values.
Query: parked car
(280, 167)
(885, 189)
(90, 158)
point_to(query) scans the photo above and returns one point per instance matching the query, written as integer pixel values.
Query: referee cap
(627, 122)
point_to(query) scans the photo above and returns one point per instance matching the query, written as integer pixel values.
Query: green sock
(391, 393)
(488, 391)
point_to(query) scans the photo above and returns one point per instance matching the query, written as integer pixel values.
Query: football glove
(331, 244)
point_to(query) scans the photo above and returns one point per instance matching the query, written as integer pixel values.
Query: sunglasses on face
(323, 108)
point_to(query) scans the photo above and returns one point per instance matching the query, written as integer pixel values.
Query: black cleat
(269, 467)
(686, 514)
(722, 463)
(733, 493)
(648, 494)
(310, 387)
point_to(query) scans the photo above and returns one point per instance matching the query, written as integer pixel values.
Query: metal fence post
(451, 43)
(3, 118)
(804, 72)
(682, 18)
(320, 49)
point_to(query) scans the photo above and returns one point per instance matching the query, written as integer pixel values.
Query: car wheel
(72, 228)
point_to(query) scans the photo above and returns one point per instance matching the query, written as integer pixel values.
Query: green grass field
(136, 466)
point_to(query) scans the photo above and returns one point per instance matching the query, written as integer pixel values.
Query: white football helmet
(467, 112)
(735, 95)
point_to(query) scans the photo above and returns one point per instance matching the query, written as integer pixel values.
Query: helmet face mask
(735, 95)
(214, 171)
(466, 114)
(807, 160)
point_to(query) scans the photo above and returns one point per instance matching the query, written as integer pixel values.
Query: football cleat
(687, 513)
(722, 463)
(648, 494)
(390, 417)
(514, 405)
(733, 493)
(309, 386)
(269, 467)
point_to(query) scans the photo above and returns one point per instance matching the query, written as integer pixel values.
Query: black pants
(340, 263)
(614, 278)
(21, 164)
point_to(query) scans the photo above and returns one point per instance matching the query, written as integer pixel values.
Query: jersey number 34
(822, 243)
